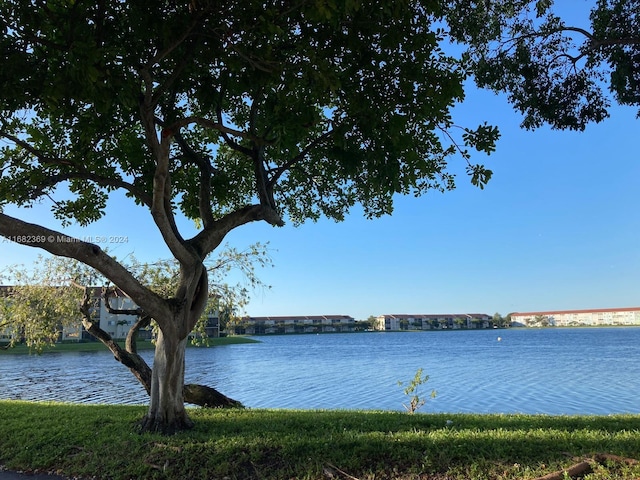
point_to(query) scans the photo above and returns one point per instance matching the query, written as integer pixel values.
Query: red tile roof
(442, 315)
(300, 317)
(593, 310)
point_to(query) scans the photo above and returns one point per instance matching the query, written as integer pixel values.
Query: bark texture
(200, 395)
(208, 397)
(167, 413)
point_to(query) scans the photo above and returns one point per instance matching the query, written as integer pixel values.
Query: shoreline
(97, 346)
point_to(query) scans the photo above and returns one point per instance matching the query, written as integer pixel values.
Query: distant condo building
(293, 324)
(117, 325)
(578, 318)
(451, 321)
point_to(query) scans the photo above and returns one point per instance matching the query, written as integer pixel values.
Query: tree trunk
(197, 394)
(167, 413)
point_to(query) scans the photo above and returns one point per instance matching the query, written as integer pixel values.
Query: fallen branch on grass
(331, 471)
(585, 466)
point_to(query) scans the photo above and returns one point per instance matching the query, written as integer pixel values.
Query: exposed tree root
(585, 466)
(200, 395)
(208, 397)
(160, 425)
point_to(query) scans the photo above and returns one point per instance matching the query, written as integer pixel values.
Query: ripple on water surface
(563, 371)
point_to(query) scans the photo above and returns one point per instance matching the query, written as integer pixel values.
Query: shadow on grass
(276, 444)
(384, 442)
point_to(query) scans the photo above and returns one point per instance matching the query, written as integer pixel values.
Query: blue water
(550, 371)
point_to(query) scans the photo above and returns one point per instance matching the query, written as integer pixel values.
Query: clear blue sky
(558, 227)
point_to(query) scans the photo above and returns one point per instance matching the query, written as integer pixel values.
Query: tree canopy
(553, 71)
(260, 111)
(225, 113)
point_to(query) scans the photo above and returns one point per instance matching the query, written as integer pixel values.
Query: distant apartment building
(9, 332)
(579, 318)
(446, 321)
(116, 325)
(293, 324)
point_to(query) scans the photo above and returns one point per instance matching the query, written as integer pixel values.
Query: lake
(547, 371)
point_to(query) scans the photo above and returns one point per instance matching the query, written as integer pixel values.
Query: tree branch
(200, 298)
(229, 141)
(615, 41)
(584, 32)
(253, 113)
(299, 157)
(106, 293)
(572, 59)
(53, 180)
(206, 172)
(35, 152)
(161, 208)
(160, 90)
(264, 188)
(80, 173)
(203, 122)
(130, 343)
(176, 43)
(63, 245)
(594, 42)
(196, 394)
(209, 238)
(131, 360)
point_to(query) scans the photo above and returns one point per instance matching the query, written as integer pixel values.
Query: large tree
(226, 113)
(56, 297)
(564, 72)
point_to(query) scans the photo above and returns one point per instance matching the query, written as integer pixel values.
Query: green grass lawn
(101, 442)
